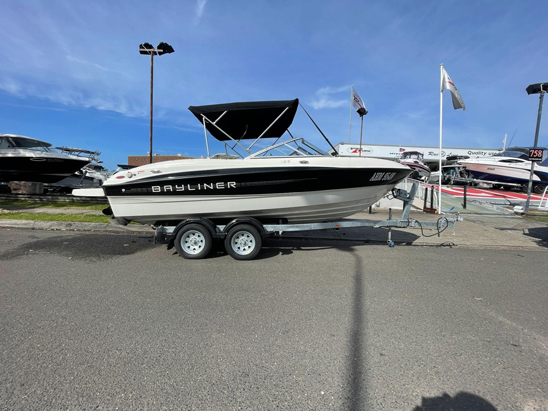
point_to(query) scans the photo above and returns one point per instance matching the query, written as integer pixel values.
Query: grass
(75, 218)
(538, 218)
(53, 204)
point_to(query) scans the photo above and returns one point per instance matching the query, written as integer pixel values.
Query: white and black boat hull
(505, 174)
(314, 190)
(420, 171)
(44, 167)
(290, 207)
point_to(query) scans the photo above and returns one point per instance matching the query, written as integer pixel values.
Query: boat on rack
(91, 175)
(27, 159)
(290, 181)
(509, 168)
(415, 161)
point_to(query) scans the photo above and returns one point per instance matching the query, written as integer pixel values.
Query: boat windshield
(514, 152)
(294, 147)
(412, 155)
(26, 143)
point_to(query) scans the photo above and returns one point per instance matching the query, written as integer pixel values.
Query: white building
(431, 153)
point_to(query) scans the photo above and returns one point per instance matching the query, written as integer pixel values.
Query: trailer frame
(243, 235)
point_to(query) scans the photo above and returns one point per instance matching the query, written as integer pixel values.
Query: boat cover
(247, 120)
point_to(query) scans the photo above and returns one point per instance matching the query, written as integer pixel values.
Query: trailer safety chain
(444, 223)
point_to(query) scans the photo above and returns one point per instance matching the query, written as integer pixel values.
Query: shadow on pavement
(93, 247)
(361, 234)
(273, 247)
(540, 234)
(463, 401)
(356, 371)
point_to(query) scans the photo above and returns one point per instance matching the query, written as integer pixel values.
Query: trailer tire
(539, 188)
(193, 241)
(243, 242)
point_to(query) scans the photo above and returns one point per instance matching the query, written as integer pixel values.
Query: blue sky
(71, 73)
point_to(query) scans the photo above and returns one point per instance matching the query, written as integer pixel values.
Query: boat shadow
(346, 240)
(540, 234)
(275, 247)
(462, 401)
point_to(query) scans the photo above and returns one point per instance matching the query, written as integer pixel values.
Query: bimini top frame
(245, 121)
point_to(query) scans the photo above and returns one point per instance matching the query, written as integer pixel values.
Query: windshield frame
(306, 149)
(16, 143)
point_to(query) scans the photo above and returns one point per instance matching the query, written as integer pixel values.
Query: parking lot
(103, 321)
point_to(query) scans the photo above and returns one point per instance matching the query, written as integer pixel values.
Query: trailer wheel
(539, 188)
(243, 242)
(193, 241)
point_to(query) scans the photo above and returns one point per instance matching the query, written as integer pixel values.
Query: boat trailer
(193, 238)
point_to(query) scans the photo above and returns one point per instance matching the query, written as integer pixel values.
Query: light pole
(147, 48)
(539, 88)
(362, 111)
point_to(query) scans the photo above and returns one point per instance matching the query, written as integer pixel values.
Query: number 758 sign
(536, 154)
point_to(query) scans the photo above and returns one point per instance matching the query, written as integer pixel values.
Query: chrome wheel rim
(243, 243)
(193, 242)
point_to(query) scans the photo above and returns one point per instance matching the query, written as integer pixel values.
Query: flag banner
(357, 101)
(447, 84)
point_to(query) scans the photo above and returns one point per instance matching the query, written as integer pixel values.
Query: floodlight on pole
(147, 48)
(539, 88)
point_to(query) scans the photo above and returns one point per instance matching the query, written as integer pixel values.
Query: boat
(509, 168)
(290, 181)
(28, 159)
(91, 175)
(415, 161)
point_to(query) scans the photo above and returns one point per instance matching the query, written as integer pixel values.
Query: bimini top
(249, 120)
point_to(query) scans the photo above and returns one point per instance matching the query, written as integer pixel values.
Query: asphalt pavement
(95, 316)
(99, 321)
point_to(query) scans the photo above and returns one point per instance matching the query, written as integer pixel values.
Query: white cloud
(87, 63)
(33, 107)
(333, 90)
(324, 100)
(11, 87)
(68, 96)
(199, 10)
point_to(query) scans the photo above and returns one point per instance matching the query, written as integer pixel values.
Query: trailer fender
(246, 220)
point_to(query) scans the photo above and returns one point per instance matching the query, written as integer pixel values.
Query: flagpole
(441, 122)
(350, 122)
(361, 133)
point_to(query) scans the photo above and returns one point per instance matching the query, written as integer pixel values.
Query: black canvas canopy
(247, 120)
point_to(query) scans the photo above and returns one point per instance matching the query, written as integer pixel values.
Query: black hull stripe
(48, 171)
(259, 181)
(223, 172)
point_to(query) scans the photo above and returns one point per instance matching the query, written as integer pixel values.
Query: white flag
(447, 84)
(357, 101)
